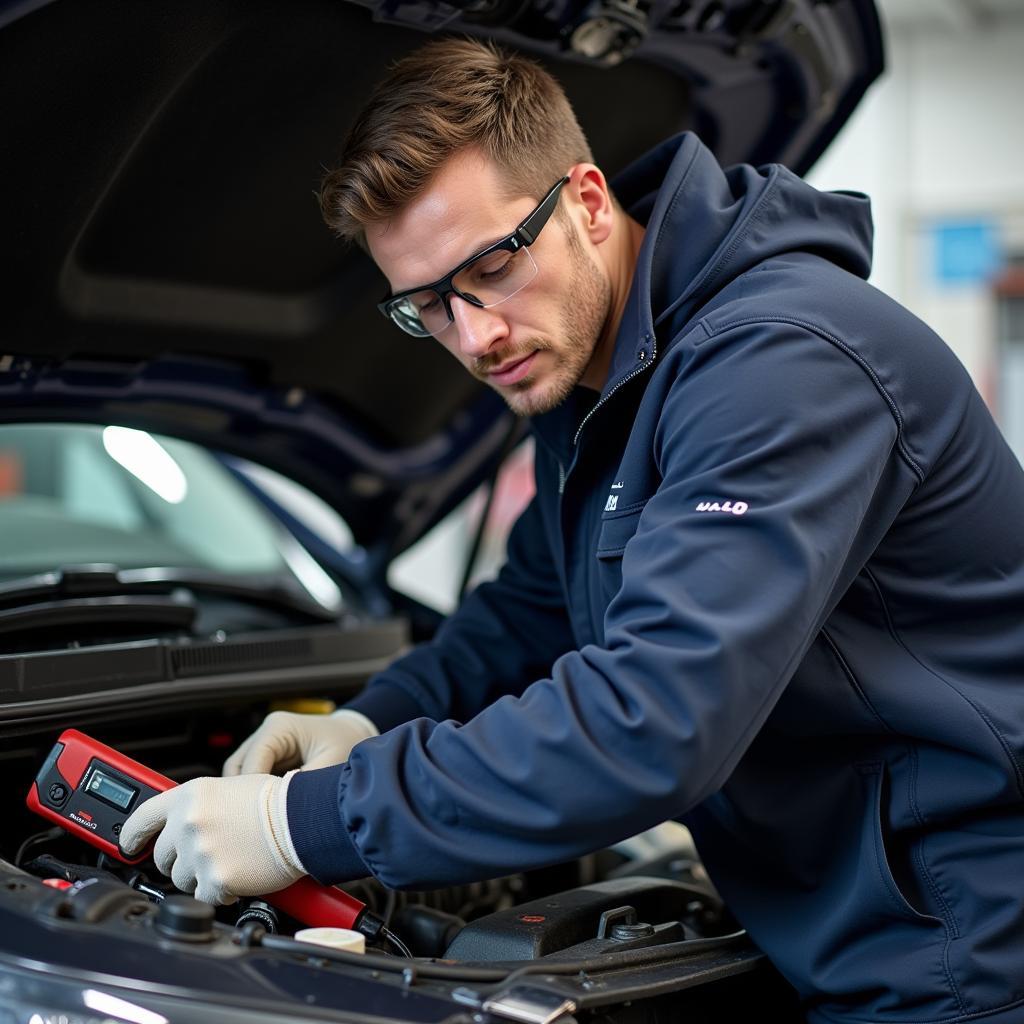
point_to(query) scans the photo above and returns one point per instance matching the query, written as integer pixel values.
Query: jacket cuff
(317, 827)
(278, 813)
(386, 705)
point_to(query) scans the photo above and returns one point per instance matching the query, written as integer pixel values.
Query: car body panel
(167, 264)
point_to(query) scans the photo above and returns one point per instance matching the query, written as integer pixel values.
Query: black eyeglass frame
(522, 238)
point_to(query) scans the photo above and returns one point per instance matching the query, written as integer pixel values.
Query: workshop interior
(228, 486)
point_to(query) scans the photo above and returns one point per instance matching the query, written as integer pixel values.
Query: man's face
(533, 347)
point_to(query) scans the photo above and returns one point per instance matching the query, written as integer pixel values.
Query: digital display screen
(112, 790)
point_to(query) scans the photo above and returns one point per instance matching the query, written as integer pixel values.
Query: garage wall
(939, 146)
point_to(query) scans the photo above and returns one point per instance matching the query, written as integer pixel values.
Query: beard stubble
(581, 320)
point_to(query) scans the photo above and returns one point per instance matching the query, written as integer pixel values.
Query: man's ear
(593, 207)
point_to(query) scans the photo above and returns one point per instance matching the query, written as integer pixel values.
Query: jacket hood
(707, 225)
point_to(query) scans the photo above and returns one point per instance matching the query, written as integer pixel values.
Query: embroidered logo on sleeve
(737, 508)
(612, 503)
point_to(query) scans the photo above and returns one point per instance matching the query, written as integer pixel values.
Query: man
(772, 580)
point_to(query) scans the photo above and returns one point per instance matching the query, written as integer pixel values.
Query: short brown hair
(446, 97)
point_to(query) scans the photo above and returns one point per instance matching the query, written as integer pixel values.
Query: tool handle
(317, 905)
(306, 900)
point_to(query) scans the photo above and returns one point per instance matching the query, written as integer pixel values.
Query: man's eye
(494, 267)
(428, 304)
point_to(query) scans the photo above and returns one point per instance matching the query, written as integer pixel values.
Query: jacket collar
(646, 190)
(704, 226)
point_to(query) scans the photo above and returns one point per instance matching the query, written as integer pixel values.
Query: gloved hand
(289, 740)
(220, 838)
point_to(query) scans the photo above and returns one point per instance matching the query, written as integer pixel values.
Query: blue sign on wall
(965, 251)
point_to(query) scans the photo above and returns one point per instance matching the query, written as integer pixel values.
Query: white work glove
(220, 838)
(290, 740)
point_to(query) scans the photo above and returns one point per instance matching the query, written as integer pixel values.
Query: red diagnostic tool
(91, 790)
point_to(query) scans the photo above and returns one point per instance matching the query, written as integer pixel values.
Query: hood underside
(167, 267)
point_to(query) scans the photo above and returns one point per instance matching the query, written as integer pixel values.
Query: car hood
(167, 265)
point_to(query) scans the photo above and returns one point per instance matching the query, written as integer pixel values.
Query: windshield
(73, 494)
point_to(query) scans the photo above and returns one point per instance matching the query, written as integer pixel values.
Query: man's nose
(478, 328)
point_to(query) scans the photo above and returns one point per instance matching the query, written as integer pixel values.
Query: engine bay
(630, 923)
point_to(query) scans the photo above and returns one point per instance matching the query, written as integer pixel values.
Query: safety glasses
(484, 280)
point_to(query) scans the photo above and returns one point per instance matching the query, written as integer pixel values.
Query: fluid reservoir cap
(336, 938)
(185, 919)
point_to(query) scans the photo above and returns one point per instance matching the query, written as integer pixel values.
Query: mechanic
(771, 582)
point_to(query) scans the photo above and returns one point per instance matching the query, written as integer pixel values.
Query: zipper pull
(561, 478)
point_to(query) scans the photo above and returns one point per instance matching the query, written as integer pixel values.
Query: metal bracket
(522, 1003)
(608, 31)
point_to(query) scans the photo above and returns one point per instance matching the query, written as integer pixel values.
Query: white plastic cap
(336, 938)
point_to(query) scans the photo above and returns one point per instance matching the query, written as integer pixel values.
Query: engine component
(428, 932)
(262, 913)
(569, 919)
(185, 919)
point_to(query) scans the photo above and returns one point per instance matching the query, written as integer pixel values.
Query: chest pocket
(613, 535)
(616, 530)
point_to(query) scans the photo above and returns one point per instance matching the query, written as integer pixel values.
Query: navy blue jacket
(772, 583)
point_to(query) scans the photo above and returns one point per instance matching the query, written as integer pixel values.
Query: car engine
(643, 914)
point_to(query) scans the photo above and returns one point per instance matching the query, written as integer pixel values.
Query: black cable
(400, 946)
(51, 833)
(504, 975)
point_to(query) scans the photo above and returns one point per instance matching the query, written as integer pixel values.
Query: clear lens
(408, 313)
(488, 280)
(496, 276)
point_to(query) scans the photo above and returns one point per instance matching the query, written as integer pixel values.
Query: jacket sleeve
(503, 636)
(713, 615)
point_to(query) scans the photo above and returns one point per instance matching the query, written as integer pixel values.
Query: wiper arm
(144, 611)
(107, 580)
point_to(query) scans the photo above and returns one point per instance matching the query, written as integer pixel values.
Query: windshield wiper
(176, 611)
(107, 580)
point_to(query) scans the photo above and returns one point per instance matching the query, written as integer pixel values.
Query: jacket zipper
(563, 472)
(629, 376)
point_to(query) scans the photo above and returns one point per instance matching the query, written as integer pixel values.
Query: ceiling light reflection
(148, 461)
(103, 1002)
(309, 573)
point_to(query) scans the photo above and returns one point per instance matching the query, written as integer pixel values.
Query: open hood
(167, 267)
